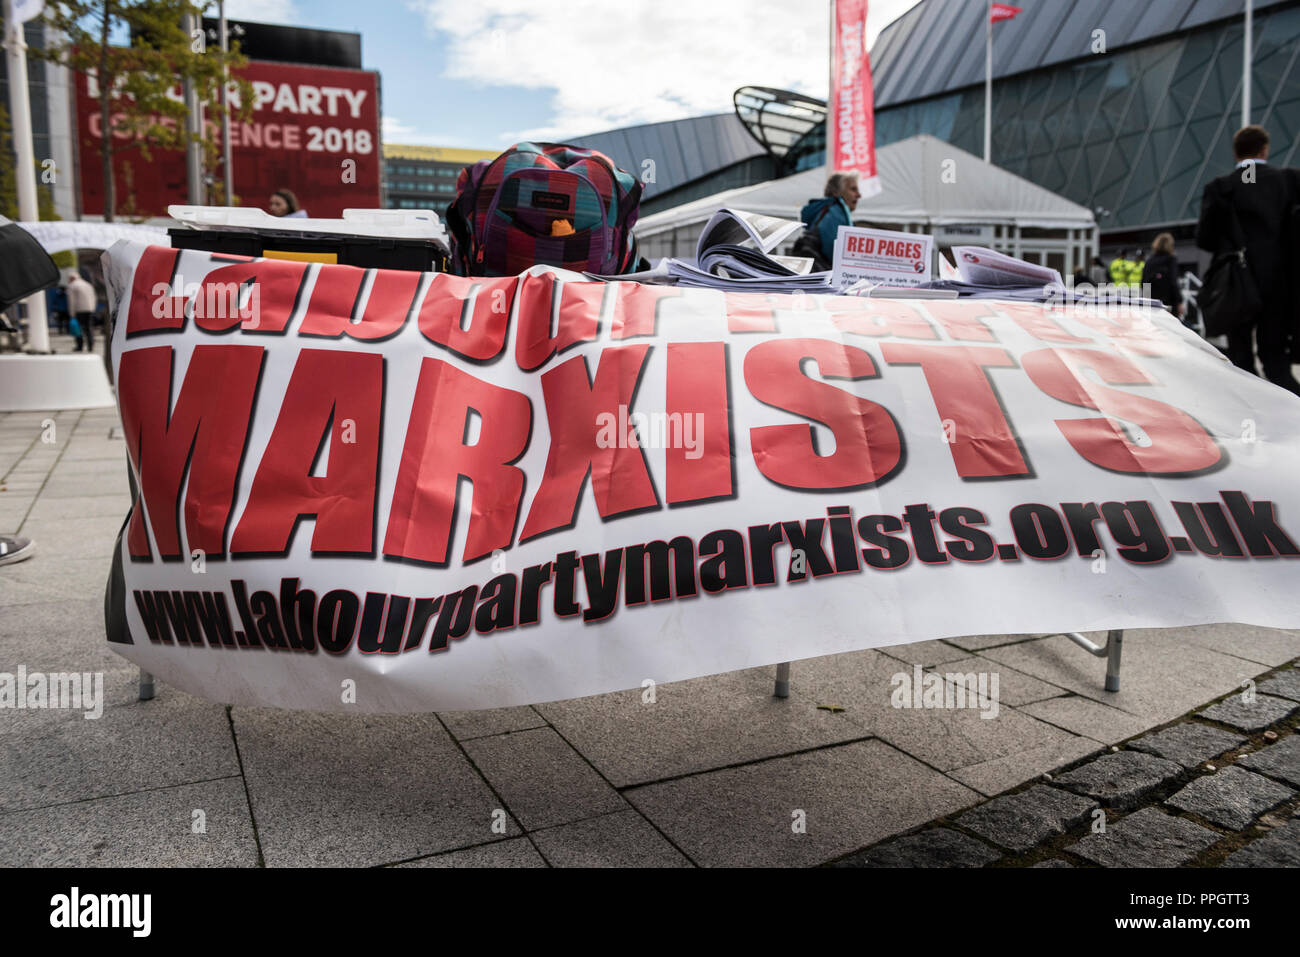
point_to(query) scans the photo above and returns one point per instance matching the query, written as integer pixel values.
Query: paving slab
(73, 579)
(153, 828)
(465, 725)
(1086, 717)
(357, 790)
(1012, 770)
(76, 537)
(88, 448)
(700, 725)
(1278, 848)
(1284, 684)
(1121, 780)
(1014, 687)
(11, 517)
(945, 738)
(1280, 760)
(851, 796)
(1146, 838)
(17, 590)
(937, 847)
(1250, 716)
(1188, 743)
(980, 642)
(1024, 820)
(59, 756)
(623, 839)
(1268, 646)
(82, 470)
(104, 504)
(924, 653)
(61, 635)
(1162, 677)
(543, 781)
(1231, 798)
(515, 852)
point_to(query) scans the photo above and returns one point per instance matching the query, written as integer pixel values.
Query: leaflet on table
(981, 266)
(881, 255)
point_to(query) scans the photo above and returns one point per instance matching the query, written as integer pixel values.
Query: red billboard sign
(313, 130)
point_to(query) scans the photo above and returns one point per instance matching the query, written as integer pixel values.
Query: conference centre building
(1124, 110)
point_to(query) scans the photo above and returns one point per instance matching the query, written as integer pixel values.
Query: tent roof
(915, 189)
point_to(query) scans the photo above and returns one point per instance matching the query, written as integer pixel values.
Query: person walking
(81, 306)
(1253, 207)
(1160, 272)
(1097, 272)
(824, 217)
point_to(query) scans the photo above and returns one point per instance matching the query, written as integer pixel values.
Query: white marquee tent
(929, 186)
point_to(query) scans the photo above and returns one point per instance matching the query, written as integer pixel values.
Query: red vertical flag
(850, 121)
(1002, 11)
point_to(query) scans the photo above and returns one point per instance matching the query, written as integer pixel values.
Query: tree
(9, 189)
(136, 84)
(9, 181)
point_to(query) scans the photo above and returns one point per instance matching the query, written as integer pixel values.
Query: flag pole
(1247, 54)
(988, 83)
(227, 169)
(830, 93)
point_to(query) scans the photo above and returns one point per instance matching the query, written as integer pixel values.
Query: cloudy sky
(486, 73)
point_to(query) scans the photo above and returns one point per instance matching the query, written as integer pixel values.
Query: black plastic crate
(367, 252)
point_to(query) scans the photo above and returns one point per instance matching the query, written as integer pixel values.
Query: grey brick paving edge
(1021, 821)
(938, 847)
(1189, 743)
(1146, 838)
(1122, 780)
(1230, 798)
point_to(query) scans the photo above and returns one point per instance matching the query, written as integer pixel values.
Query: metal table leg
(782, 688)
(1110, 651)
(146, 685)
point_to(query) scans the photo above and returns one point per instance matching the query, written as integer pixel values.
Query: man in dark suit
(1263, 198)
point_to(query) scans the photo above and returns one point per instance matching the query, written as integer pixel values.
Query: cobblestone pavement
(1219, 787)
(715, 772)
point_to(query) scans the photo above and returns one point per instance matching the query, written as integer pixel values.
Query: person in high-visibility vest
(1135, 267)
(1119, 269)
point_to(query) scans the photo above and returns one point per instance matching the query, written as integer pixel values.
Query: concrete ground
(715, 772)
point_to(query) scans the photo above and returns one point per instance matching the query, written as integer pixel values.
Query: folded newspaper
(735, 252)
(984, 273)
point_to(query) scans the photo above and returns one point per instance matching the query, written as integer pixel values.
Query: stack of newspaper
(734, 252)
(988, 274)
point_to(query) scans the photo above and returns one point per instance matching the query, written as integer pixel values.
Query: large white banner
(397, 491)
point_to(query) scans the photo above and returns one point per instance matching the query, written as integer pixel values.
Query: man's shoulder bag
(1229, 296)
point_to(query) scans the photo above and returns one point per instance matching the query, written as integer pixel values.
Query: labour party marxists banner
(851, 118)
(470, 493)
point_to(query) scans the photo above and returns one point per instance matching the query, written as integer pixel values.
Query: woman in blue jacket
(825, 216)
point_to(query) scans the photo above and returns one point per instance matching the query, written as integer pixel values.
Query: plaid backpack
(544, 203)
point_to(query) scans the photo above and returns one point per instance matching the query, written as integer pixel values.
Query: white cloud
(261, 11)
(613, 64)
(393, 128)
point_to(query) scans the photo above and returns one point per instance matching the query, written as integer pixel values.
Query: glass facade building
(424, 177)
